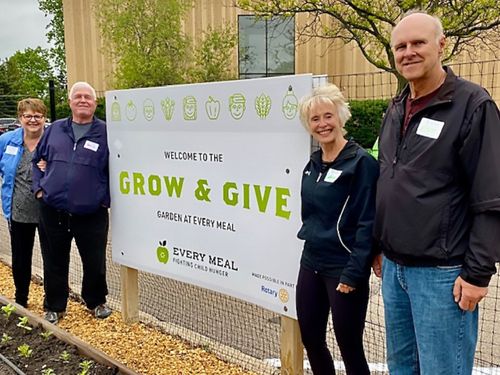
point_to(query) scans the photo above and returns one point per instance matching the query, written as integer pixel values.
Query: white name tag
(91, 145)
(430, 128)
(332, 175)
(11, 150)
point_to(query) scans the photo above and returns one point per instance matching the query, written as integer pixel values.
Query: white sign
(205, 184)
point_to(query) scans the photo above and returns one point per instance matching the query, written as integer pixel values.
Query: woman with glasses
(18, 202)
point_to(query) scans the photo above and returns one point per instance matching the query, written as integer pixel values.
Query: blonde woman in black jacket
(338, 207)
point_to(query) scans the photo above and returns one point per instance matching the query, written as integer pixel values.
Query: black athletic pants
(315, 297)
(22, 238)
(57, 229)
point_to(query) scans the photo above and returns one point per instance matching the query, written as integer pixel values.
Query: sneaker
(102, 311)
(53, 317)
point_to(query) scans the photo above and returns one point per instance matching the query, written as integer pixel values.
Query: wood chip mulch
(139, 347)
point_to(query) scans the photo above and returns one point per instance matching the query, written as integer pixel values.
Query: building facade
(265, 48)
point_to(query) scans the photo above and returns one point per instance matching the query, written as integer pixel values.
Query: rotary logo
(283, 295)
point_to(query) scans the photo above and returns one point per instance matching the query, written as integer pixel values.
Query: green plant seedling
(6, 338)
(8, 310)
(46, 335)
(23, 323)
(25, 350)
(48, 371)
(85, 366)
(65, 356)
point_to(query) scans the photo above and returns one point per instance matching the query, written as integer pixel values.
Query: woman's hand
(343, 288)
(42, 165)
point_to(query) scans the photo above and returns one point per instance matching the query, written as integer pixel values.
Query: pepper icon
(212, 107)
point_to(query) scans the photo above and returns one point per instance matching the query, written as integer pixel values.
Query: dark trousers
(315, 297)
(22, 238)
(90, 232)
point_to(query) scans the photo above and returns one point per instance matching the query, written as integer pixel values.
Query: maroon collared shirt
(412, 106)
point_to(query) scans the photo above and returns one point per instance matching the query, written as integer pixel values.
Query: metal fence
(383, 85)
(248, 335)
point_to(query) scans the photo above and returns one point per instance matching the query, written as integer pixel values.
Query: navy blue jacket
(338, 209)
(76, 179)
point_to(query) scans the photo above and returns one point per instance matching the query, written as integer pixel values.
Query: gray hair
(81, 84)
(325, 94)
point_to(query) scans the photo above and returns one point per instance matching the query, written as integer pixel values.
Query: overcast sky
(22, 25)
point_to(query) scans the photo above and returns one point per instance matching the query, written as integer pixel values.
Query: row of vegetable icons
(237, 107)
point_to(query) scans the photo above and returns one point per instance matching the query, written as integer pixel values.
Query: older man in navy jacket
(73, 190)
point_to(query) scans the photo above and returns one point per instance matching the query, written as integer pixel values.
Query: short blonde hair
(33, 104)
(328, 93)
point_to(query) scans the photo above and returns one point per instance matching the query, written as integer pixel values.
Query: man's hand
(39, 194)
(377, 265)
(467, 295)
(344, 288)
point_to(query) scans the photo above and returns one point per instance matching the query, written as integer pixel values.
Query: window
(266, 47)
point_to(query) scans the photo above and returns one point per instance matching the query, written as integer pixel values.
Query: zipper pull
(394, 162)
(319, 176)
(74, 146)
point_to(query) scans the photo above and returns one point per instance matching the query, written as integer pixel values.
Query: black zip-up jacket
(438, 195)
(338, 208)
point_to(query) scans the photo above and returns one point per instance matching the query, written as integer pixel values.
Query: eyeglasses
(31, 117)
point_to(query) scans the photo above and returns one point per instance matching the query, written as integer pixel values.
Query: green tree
(55, 34)
(145, 40)
(5, 83)
(28, 72)
(213, 55)
(368, 23)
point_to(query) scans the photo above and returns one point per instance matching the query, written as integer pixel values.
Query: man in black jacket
(438, 206)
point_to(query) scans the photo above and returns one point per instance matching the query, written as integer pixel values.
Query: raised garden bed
(35, 346)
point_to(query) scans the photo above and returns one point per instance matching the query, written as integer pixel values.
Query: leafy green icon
(131, 111)
(167, 106)
(290, 104)
(189, 107)
(237, 105)
(212, 107)
(115, 112)
(162, 252)
(148, 109)
(263, 105)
